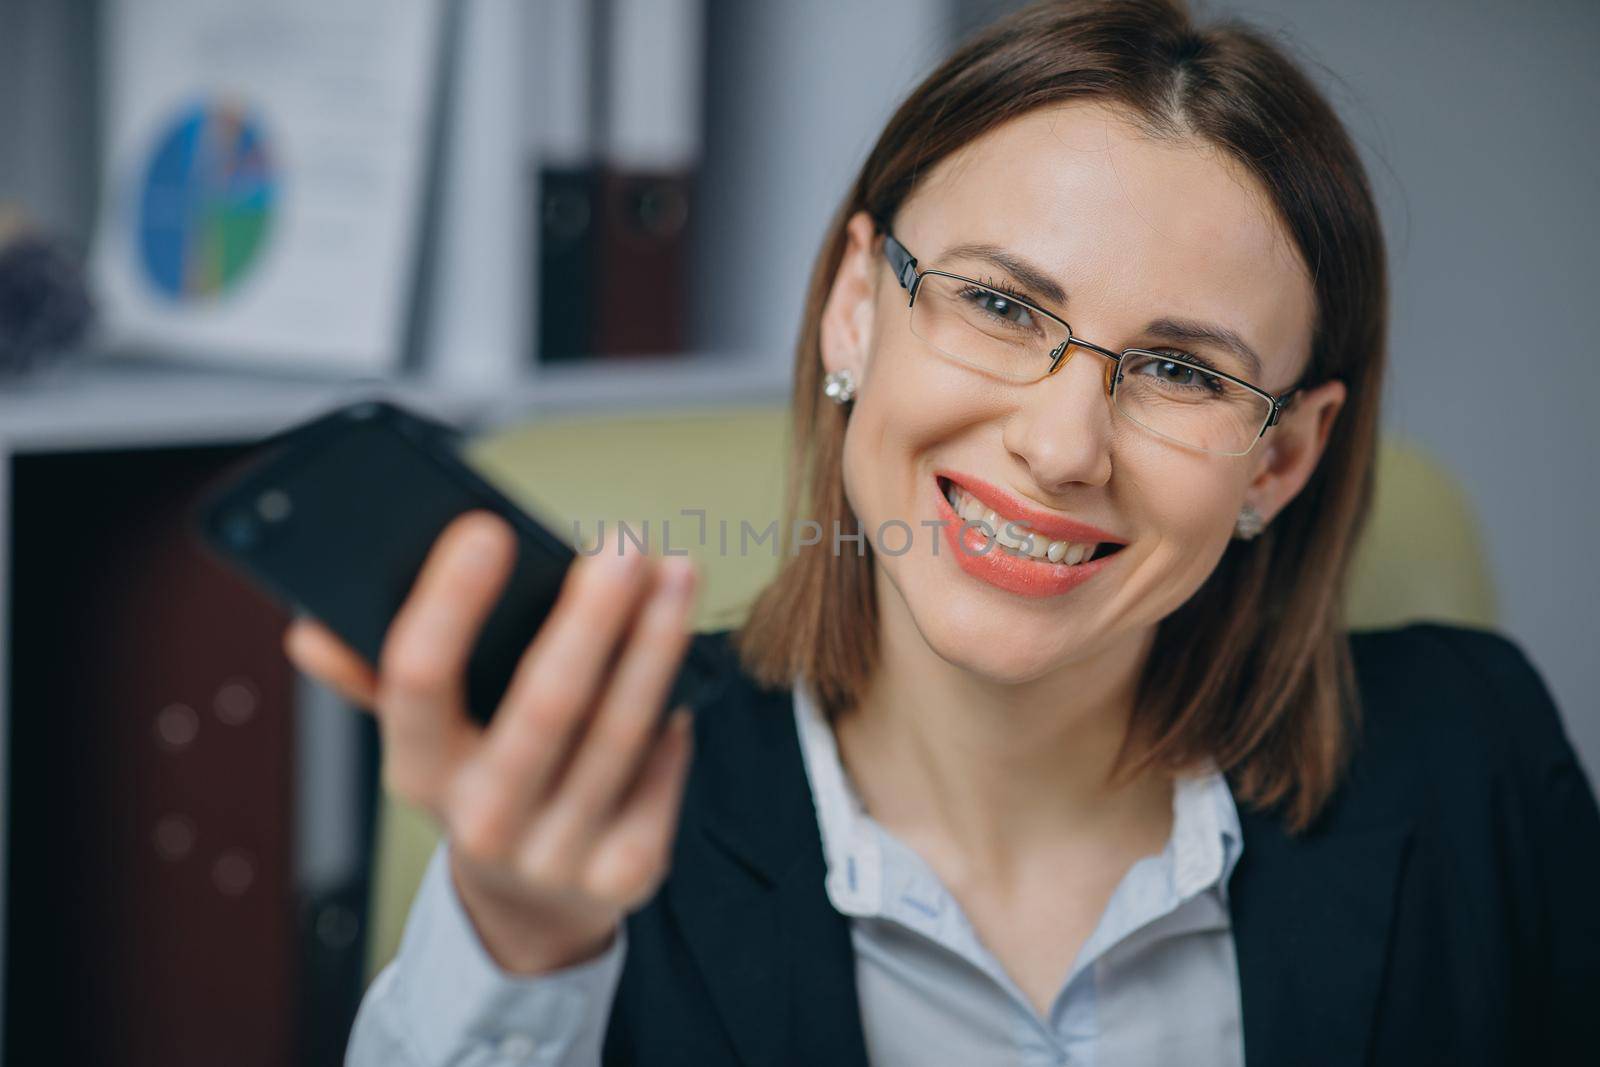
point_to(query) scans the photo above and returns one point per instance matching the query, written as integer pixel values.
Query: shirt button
(516, 1047)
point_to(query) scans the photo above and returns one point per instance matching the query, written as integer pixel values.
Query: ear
(847, 315)
(1292, 448)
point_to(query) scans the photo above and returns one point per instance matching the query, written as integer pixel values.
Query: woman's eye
(1002, 307)
(1182, 375)
(1176, 372)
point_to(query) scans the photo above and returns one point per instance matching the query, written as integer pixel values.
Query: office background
(1477, 121)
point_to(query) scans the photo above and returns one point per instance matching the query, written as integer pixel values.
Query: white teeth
(1027, 542)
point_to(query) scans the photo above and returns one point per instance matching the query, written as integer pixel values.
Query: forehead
(1133, 227)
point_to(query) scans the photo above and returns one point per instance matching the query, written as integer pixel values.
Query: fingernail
(483, 543)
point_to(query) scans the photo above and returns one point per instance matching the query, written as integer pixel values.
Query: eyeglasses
(1192, 400)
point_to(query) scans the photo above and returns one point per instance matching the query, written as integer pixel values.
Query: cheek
(1186, 506)
(1185, 503)
(905, 411)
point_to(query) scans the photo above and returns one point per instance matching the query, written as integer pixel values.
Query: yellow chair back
(1422, 555)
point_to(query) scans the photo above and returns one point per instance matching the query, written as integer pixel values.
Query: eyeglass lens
(991, 332)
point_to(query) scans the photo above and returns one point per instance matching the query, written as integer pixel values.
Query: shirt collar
(1204, 848)
(849, 843)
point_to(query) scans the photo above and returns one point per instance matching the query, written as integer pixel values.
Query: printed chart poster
(264, 178)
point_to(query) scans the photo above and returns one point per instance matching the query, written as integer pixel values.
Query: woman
(1054, 749)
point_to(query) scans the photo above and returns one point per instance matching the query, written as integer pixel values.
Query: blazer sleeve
(1555, 833)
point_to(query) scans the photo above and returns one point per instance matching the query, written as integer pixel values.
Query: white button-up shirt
(1155, 983)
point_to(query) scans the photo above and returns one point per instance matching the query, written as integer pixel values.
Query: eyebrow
(1189, 331)
(1032, 277)
(1038, 281)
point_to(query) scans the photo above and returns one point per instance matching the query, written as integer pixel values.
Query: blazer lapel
(1311, 919)
(747, 889)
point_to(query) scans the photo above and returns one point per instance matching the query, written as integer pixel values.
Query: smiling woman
(1091, 772)
(1151, 205)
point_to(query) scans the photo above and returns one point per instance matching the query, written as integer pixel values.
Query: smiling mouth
(1016, 535)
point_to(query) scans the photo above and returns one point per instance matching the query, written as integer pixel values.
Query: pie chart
(205, 203)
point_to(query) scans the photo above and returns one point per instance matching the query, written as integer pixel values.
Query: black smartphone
(336, 516)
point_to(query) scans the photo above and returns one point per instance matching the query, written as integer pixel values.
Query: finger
(422, 668)
(316, 650)
(619, 735)
(553, 689)
(628, 861)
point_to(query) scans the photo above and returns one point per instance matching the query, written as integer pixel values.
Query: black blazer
(1446, 909)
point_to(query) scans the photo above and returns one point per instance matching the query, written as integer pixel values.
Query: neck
(996, 773)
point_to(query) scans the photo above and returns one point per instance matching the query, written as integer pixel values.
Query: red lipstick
(1054, 527)
(993, 563)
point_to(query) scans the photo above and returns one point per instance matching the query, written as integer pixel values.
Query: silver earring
(1249, 524)
(839, 386)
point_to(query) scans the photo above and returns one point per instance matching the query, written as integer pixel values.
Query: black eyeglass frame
(904, 265)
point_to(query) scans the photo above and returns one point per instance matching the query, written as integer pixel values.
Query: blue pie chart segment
(206, 203)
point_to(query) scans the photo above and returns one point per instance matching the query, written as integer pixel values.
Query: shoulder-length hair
(1254, 671)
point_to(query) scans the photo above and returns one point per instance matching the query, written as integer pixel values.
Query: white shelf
(125, 402)
(639, 383)
(112, 403)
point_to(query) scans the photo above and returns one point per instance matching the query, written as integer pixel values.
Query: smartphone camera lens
(240, 530)
(274, 505)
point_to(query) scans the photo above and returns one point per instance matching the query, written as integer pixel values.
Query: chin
(1000, 650)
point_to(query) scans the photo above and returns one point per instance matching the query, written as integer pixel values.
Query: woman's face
(1131, 230)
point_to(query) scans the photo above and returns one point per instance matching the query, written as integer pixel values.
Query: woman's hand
(562, 811)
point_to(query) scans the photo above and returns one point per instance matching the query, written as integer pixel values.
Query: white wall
(798, 93)
(47, 111)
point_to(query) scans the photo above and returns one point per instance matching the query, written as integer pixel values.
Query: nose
(1063, 425)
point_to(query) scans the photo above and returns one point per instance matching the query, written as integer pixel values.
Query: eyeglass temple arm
(903, 262)
(1281, 404)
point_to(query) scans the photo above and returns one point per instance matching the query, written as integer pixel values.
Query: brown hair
(1254, 670)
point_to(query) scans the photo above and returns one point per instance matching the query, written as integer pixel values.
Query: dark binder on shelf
(565, 232)
(618, 138)
(563, 43)
(643, 261)
(654, 55)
